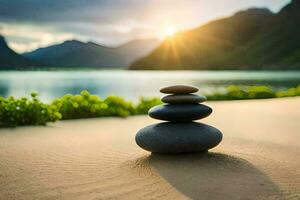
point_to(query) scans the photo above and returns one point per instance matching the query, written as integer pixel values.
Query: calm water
(132, 84)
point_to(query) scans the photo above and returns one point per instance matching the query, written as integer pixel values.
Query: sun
(169, 31)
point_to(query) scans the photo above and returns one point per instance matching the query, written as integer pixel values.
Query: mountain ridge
(250, 39)
(74, 53)
(9, 59)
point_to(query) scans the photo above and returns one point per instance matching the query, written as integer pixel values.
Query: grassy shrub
(235, 92)
(260, 92)
(145, 104)
(85, 105)
(25, 111)
(291, 92)
(117, 106)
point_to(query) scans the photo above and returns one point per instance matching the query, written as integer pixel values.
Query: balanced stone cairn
(179, 134)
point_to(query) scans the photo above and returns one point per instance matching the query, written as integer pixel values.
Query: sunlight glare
(169, 31)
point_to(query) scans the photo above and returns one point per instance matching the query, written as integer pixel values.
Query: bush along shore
(24, 111)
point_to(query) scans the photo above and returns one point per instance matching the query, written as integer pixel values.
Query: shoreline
(98, 158)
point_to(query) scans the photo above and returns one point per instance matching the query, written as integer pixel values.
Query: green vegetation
(23, 111)
(86, 105)
(145, 104)
(235, 92)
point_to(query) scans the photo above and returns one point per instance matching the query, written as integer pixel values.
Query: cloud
(67, 10)
(115, 10)
(24, 37)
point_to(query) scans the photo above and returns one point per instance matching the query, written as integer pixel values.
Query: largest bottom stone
(170, 137)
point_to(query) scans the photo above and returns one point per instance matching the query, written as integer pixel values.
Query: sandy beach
(259, 158)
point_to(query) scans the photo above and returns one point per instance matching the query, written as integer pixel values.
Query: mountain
(136, 49)
(74, 53)
(11, 60)
(279, 41)
(250, 39)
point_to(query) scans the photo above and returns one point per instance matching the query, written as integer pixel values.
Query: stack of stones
(179, 134)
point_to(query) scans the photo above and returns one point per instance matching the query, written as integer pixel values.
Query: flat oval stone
(180, 112)
(170, 137)
(183, 98)
(179, 89)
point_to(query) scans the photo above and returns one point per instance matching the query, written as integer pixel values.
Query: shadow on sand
(212, 176)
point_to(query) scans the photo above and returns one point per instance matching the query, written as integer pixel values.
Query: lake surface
(133, 84)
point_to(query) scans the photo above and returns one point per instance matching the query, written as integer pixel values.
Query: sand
(259, 158)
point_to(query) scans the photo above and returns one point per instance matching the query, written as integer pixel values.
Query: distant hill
(136, 49)
(250, 39)
(74, 53)
(11, 60)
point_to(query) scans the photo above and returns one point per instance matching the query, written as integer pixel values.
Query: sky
(30, 24)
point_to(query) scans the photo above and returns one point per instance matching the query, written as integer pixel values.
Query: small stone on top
(179, 89)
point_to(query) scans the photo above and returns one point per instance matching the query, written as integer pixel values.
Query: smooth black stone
(183, 99)
(180, 112)
(173, 138)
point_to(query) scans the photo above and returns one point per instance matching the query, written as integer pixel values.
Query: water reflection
(3, 89)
